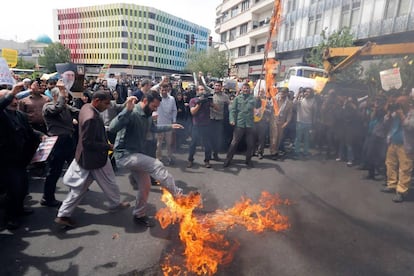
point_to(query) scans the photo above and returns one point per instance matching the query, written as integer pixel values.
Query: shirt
(59, 117)
(167, 111)
(33, 106)
(220, 99)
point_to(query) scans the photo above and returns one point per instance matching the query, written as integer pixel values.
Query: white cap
(27, 80)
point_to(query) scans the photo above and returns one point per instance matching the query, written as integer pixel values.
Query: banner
(10, 55)
(391, 78)
(44, 149)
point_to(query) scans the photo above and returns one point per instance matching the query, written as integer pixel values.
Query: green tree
(211, 61)
(54, 53)
(406, 65)
(24, 64)
(339, 38)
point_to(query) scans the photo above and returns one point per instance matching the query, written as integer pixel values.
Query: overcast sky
(27, 19)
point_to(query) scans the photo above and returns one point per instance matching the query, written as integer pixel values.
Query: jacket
(92, 149)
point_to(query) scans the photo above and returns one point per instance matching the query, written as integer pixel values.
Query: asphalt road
(340, 225)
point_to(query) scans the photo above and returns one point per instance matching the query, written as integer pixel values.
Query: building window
(260, 48)
(291, 5)
(234, 11)
(395, 8)
(151, 58)
(124, 45)
(243, 28)
(223, 37)
(350, 13)
(242, 51)
(151, 15)
(233, 33)
(315, 25)
(245, 5)
(151, 48)
(151, 26)
(289, 31)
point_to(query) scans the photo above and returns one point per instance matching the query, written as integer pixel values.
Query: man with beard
(242, 118)
(132, 126)
(18, 143)
(91, 161)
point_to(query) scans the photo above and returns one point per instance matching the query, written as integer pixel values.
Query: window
(245, 5)
(223, 37)
(151, 26)
(315, 25)
(234, 11)
(151, 58)
(395, 8)
(151, 48)
(242, 51)
(124, 45)
(350, 13)
(291, 5)
(289, 31)
(151, 15)
(260, 48)
(243, 28)
(233, 33)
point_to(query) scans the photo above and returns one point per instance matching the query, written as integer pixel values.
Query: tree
(406, 65)
(339, 38)
(210, 61)
(54, 53)
(24, 64)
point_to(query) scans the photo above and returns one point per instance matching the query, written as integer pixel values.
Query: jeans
(200, 133)
(302, 134)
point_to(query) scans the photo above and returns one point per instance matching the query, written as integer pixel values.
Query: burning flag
(205, 245)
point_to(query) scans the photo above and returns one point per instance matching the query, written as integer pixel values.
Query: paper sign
(6, 77)
(44, 149)
(391, 78)
(10, 55)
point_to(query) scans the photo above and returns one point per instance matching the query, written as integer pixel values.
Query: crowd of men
(138, 121)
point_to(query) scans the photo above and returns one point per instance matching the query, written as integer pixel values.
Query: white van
(301, 76)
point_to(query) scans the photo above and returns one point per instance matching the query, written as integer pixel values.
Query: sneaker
(66, 221)
(144, 221)
(398, 198)
(50, 203)
(349, 164)
(388, 190)
(338, 159)
(26, 212)
(226, 163)
(190, 164)
(121, 206)
(260, 156)
(207, 164)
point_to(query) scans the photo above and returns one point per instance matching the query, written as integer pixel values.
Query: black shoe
(226, 164)
(26, 212)
(398, 198)
(207, 164)
(144, 221)
(50, 203)
(388, 190)
(65, 221)
(275, 156)
(189, 164)
(260, 155)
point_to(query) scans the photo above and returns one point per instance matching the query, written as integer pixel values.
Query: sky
(28, 19)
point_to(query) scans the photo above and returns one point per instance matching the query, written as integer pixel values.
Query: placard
(391, 78)
(44, 149)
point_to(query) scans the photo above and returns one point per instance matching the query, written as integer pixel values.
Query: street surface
(340, 225)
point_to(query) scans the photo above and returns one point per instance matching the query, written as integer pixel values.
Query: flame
(271, 63)
(205, 245)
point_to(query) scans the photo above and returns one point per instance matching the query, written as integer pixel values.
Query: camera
(206, 97)
(394, 107)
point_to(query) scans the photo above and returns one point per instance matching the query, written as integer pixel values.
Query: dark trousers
(376, 148)
(237, 136)
(200, 133)
(260, 129)
(64, 150)
(16, 185)
(217, 127)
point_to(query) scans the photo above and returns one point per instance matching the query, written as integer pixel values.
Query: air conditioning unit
(255, 24)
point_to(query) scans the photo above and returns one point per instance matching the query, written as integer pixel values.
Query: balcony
(378, 28)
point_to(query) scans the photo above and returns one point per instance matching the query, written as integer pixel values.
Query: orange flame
(205, 244)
